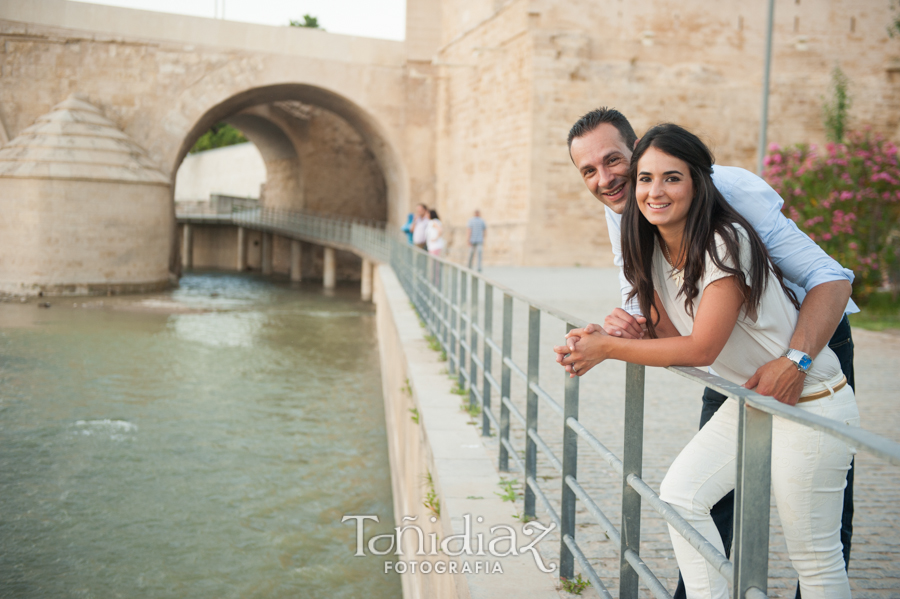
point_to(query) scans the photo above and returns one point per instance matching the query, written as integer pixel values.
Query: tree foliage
(219, 136)
(308, 21)
(846, 197)
(894, 27)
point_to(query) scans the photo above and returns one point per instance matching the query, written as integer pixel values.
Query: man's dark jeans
(723, 512)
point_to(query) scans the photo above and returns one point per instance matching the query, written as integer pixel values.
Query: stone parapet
(430, 438)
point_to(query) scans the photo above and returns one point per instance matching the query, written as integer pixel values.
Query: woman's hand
(584, 349)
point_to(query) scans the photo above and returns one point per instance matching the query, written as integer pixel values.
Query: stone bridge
(341, 123)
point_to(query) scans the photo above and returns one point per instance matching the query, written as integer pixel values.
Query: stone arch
(283, 171)
(244, 106)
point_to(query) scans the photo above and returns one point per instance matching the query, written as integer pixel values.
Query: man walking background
(477, 229)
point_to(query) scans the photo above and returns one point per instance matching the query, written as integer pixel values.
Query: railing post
(266, 249)
(461, 329)
(429, 291)
(187, 246)
(452, 353)
(445, 312)
(531, 414)
(570, 468)
(241, 249)
(505, 380)
(414, 276)
(486, 358)
(473, 340)
(632, 463)
(420, 282)
(751, 500)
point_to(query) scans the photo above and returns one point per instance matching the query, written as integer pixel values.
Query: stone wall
(485, 129)
(340, 175)
(695, 63)
(233, 171)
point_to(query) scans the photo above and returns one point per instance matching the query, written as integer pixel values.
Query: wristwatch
(802, 360)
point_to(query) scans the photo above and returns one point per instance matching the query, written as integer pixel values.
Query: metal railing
(368, 237)
(457, 306)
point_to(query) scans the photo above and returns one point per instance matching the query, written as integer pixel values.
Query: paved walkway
(671, 418)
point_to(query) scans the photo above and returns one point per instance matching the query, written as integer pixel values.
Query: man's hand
(622, 324)
(583, 350)
(779, 379)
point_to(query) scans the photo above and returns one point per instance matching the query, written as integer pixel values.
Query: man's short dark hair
(597, 117)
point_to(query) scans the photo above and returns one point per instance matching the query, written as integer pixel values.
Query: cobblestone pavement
(672, 413)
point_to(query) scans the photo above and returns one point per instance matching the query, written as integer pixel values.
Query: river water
(200, 443)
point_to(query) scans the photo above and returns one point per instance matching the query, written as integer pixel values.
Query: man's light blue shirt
(803, 263)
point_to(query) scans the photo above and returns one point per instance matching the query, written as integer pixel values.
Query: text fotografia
(502, 542)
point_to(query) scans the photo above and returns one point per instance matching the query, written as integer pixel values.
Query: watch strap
(799, 358)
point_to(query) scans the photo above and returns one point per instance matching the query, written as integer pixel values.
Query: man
(420, 226)
(600, 146)
(477, 229)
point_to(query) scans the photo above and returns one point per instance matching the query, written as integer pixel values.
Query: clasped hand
(586, 347)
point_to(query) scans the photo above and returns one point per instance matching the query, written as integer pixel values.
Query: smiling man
(600, 146)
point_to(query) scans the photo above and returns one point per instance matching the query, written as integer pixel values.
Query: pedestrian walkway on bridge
(672, 414)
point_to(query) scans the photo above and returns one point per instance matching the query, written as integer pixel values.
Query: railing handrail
(447, 297)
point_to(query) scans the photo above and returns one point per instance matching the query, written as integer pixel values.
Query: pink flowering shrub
(846, 197)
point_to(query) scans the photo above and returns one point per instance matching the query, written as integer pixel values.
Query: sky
(384, 19)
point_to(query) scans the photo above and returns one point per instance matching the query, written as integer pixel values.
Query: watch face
(805, 363)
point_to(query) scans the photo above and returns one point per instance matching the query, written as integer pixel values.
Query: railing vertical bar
(505, 381)
(751, 500)
(531, 412)
(473, 340)
(632, 461)
(486, 360)
(452, 355)
(445, 313)
(463, 296)
(570, 469)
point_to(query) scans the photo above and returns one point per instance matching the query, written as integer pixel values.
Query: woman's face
(664, 189)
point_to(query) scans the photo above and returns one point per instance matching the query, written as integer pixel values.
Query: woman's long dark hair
(708, 215)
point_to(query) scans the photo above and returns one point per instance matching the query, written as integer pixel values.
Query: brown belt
(825, 393)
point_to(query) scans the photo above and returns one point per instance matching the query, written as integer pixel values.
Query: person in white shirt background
(434, 234)
(600, 146)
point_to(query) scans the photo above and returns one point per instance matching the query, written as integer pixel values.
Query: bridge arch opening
(322, 153)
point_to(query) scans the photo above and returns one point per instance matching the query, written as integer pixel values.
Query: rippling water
(206, 453)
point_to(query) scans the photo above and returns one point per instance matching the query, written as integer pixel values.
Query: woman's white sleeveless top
(757, 338)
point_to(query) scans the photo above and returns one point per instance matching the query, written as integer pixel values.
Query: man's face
(602, 158)
(420, 211)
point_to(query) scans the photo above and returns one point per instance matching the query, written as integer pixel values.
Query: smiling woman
(722, 302)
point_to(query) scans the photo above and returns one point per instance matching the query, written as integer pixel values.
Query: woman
(434, 235)
(715, 298)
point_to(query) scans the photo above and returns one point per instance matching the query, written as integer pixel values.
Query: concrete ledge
(462, 468)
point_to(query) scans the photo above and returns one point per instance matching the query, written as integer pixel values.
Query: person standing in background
(477, 229)
(434, 235)
(420, 226)
(407, 228)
